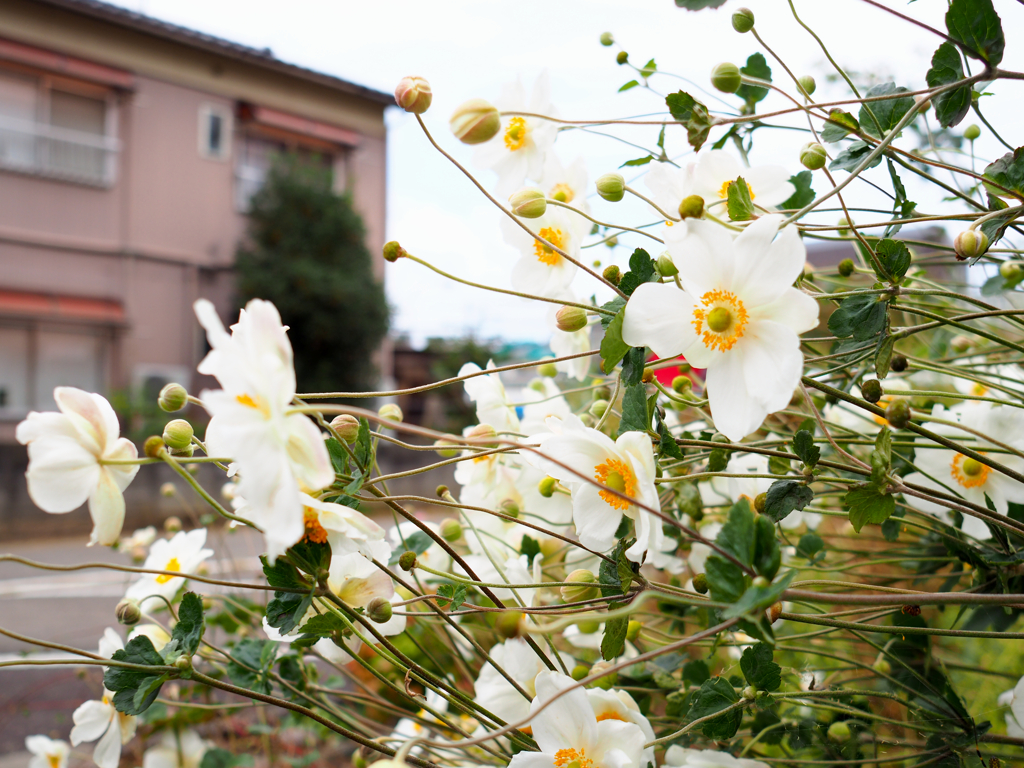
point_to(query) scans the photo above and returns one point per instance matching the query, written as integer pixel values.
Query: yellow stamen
(172, 565)
(968, 472)
(314, 531)
(721, 321)
(562, 193)
(724, 191)
(515, 134)
(619, 477)
(568, 757)
(54, 761)
(611, 715)
(254, 403)
(546, 255)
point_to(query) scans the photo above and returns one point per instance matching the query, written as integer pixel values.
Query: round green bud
(844, 227)
(813, 156)
(172, 524)
(960, 343)
(154, 446)
(546, 487)
(682, 385)
(475, 121)
(761, 581)
(547, 370)
(173, 397)
(872, 390)
(571, 319)
(178, 434)
(481, 433)
(743, 20)
(807, 83)
(379, 610)
(839, 732)
(578, 594)
(128, 612)
(633, 630)
(726, 77)
(611, 242)
(718, 437)
(882, 665)
(510, 508)
(358, 760)
(612, 274)
(970, 244)
(580, 671)
(347, 427)
(451, 529)
(607, 39)
(611, 187)
(1011, 270)
(606, 681)
(700, 583)
(598, 408)
(587, 420)
(183, 662)
(647, 376)
(393, 251)
(509, 624)
(846, 267)
(168, 490)
(413, 95)
(750, 693)
(407, 561)
(691, 207)
(621, 57)
(898, 413)
(898, 363)
(442, 491)
(971, 132)
(588, 627)
(528, 203)
(186, 452)
(666, 267)
(390, 412)
(759, 501)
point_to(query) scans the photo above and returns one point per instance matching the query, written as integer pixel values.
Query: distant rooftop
(139, 22)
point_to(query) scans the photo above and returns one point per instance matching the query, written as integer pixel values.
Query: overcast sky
(468, 48)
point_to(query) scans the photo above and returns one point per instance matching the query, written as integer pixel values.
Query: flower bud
(607, 39)
(970, 244)
(154, 446)
(587, 420)
(178, 434)
(359, 761)
(509, 624)
(691, 207)
(579, 594)
(528, 203)
(666, 267)
(612, 274)
(168, 490)
(390, 412)
(482, 432)
(347, 427)
(647, 376)
(726, 77)
(898, 413)
(172, 524)
(682, 385)
(700, 583)
(580, 671)
(407, 561)
(393, 251)
(475, 122)
(759, 502)
(898, 363)
(971, 132)
(872, 390)
(598, 408)
(807, 83)
(441, 491)
(187, 451)
(813, 156)
(379, 610)
(173, 397)
(183, 662)
(750, 693)
(546, 487)
(718, 437)
(960, 343)
(882, 665)
(633, 630)
(547, 370)
(611, 242)
(743, 20)
(128, 612)
(605, 681)
(445, 448)
(846, 267)
(611, 187)
(1011, 270)
(761, 581)
(621, 57)
(451, 529)
(774, 611)
(839, 732)
(588, 627)
(413, 95)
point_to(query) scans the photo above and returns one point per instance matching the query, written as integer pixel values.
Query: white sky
(468, 48)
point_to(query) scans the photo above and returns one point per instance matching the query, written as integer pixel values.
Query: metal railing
(44, 150)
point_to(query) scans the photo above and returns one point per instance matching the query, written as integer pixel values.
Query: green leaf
(853, 156)
(740, 204)
(688, 500)
(287, 609)
(839, 124)
(633, 366)
(756, 599)
(698, 127)
(868, 505)
(680, 104)
(529, 547)
(861, 316)
(624, 570)
(759, 669)
(452, 593)
(189, 629)
(975, 25)
(283, 574)
(363, 448)
(311, 557)
(767, 555)
(126, 683)
(637, 161)
(613, 643)
(251, 662)
(641, 270)
(881, 457)
(804, 447)
(667, 445)
(715, 695)
(902, 207)
(718, 460)
(614, 306)
(648, 69)
(894, 257)
(613, 348)
(339, 456)
(1008, 172)
(784, 496)
(634, 410)
(221, 758)
(952, 106)
(319, 626)
(804, 195)
(737, 535)
(887, 114)
(757, 68)
(698, 5)
(725, 579)
(696, 672)
(418, 542)
(610, 573)
(883, 356)
(627, 86)
(809, 545)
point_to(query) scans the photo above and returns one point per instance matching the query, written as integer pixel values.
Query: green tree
(305, 251)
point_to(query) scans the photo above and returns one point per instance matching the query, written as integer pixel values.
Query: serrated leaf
(613, 643)
(608, 574)
(696, 672)
(737, 535)
(804, 447)
(756, 599)
(767, 554)
(759, 669)
(642, 269)
(809, 545)
(888, 113)
(250, 666)
(883, 356)
(725, 579)
(667, 446)
(803, 195)
(894, 257)
(975, 24)
(756, 67)
(363, 447)
(529, 547)
(126, 683)
(338, 454)
(868, 505)
(1008, 172)
(615, 306)
(840, 123)
(952, 106)
(861, 316)
(190, 627)
(452, 593)
(287, 609)
(853, 156)
(715, 695)
(634, 410)
(680, 104)
(740, 204)
(613, 348)
(785, 496)
(633, 366)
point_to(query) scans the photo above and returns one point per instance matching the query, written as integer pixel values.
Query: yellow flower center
(619, 477)
(970, 473)
(256, 404)
(172, 565)
(724, 191)
(611, 715)
(572, 758)
(314, 531)
(54, 761)
(562, 193)
(721, 320)
(515, 134)
(979, 390)
(546, 254)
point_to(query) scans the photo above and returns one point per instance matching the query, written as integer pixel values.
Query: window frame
(206, 111)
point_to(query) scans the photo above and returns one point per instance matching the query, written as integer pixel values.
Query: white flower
(738, 316)
(1014, 699)
(183, 553)
(185, 750)
(519, 149)
(626, 465)
(542, 399)
(566, 184)
(564, 344)
(615, 704)
(669, 185)
(401, 537)
(157, 635)
(346, 529)
(100, 720)
(568, 731)
(47, 753)
(751, 488)
(109, 643)
(715, 169)
(492, 404)
(540, 270)
(496, 694)
(699, 551)
(357, 581)
(66, 455)
(278, 453)
(955, 473)
(680, 757)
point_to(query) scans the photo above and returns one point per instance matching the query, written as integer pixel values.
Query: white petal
(568, 722)
(705, 258)
(772, 363)
(106, 507)
(61, 474)
(765, 269)
(736, 411)
(87, 412)
(596, 520)
(658, 316)
(793, 308)
(308, 453)
(769, 184)
(108, 750)
(92, 719)
(619, 743)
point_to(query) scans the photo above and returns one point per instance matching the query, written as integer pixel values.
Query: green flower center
(719, 319)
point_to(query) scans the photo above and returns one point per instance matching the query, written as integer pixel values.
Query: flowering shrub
(751, 512)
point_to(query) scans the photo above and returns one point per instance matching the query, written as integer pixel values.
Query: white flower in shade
(184, 750)
(47, 753)
(715, 169)
(669, 185)
(542, 271)
(949, 472)
(100, 720)
(568, 732)
(519, 149)
(66, 455)
(1014, 699)
(566, 183)
(1008, 375)
(404, 534)
(681, 757)
(564, 344)
(157, 635)
(615, 704)
(496, 694)
(750, 488)
(278, 453)
(626, 465)
(182, 553)
(542, 399)
(346, 529)
(738, 316)
(357, 581)
(592, 637)
(699, 551)
(492, 404)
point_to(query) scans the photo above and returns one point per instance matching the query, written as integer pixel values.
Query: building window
(214, 132)
(255, 157)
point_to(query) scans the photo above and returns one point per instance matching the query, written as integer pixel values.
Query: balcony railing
(60, 153)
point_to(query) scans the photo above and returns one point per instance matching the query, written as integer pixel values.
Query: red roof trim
(65, 65)
(58, 307)
(303, 126)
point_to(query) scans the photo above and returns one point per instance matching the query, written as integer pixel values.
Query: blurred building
(129, 149)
